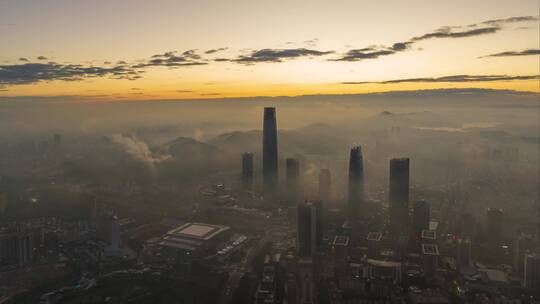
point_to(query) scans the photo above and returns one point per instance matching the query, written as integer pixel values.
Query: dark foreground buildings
(309, 229)
(270, 153)
(356, 181)
(399, 194)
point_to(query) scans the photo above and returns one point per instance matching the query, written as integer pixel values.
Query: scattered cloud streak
(172, 60)
(28, 73)
(453, 78)
(212, 51)
(471, 30)
(373, 52)
(276, 55)
(529, 52)
(449, 32)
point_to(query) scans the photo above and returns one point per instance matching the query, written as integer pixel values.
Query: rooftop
(430, 249)
(197, 231)
(374, 236)
(341, 240)
(429, 234)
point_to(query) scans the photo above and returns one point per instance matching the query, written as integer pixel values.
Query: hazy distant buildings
(420, 216)
(495, 217)
(57, 140)
(247, 171)
(356, 181)
(325, 186)
(399, 193)
(270, 152)
(293, 179)
(309, 230)
(3, 202)
(532, 273)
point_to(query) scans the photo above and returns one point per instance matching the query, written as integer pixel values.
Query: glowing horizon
(209, 49)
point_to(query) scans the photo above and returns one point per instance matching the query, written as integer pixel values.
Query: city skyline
(125, 51)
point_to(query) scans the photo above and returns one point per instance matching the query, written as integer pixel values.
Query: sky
(133, 49)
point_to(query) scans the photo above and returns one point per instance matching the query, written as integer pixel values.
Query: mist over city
(289, 163)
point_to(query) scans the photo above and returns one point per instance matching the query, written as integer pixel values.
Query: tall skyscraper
(325, 186)
(532, 273)
(399, 194)
(420, 216)
(356, 181)
(495, 217)
(293, 179)
(309, 228)
(464, 258)
(270, 152)
(247, 171)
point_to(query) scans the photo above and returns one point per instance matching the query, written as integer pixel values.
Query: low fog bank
(470, 148)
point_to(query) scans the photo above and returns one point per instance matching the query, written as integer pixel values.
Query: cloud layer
(452, 78)
(471, 30)
(276, 55)
(528, 52)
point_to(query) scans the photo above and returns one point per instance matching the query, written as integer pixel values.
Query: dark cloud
(276, 55)
(28, 73)
(448, 32)
(529, 52)
(23, 59)
(453, 78)
(172, 60)
(373, 52)
(184, 91)
(472, 30)
(41, 58)
(212, 51)
(510, 20)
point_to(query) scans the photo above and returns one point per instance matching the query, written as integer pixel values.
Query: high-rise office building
(325, 186)
(25, 242)
(306, 278)
(464, 258)
(420, 216)
(532, 273)
(356, 181)
(495, 217)
(308, 223)
(270, 153)
(522, 245)
(399, 194)
(115, 233)
(293, 179)
(247, 171)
